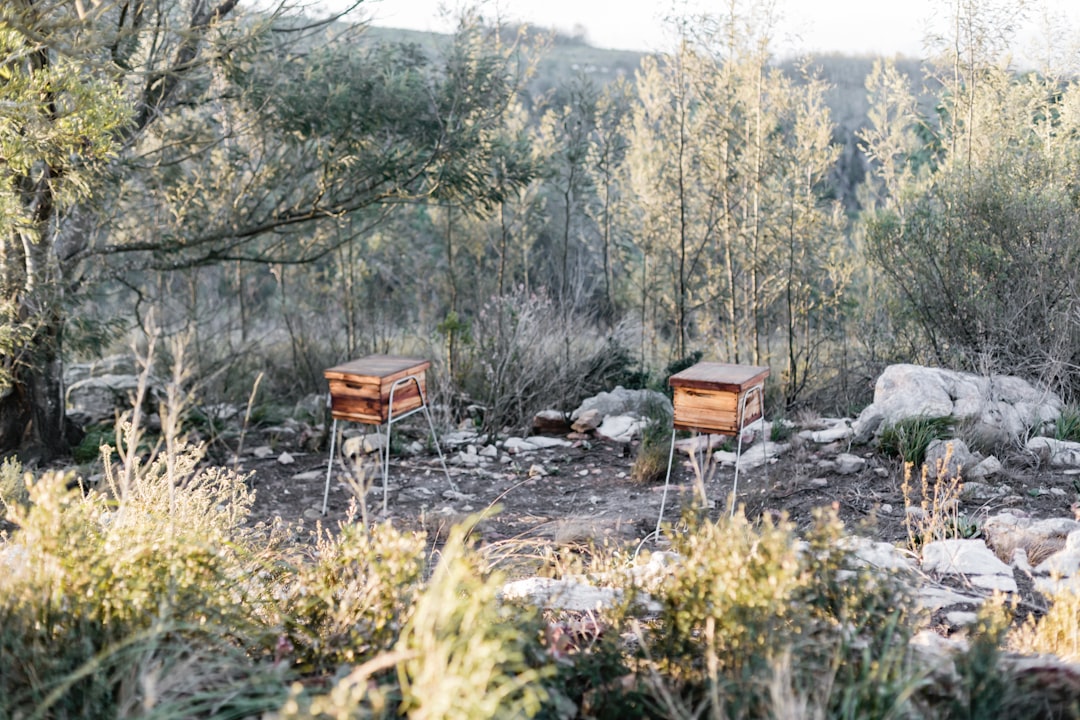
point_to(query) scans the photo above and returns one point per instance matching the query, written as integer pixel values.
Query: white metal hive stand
(716, 398)
(378, 390)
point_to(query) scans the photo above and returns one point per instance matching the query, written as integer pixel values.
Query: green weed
(909, 438)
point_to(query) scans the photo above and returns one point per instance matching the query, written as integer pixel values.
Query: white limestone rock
(970, 559)
(97, 399)
(1057, 453)
(753, 457)
(460, 437)
(848, 464)
(620, 428)
(1005, 532)
(952, 457)
(568, 595)
(999, 407)
(934, 598)
(1065, 562)
(987, 468)
(975, 491)
(588, 421)
(838, 430)
(543, 442)
(882, 555)
(517, 446)
(621, 401)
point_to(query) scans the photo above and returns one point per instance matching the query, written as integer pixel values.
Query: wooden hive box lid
(719, 376)
(376, 369)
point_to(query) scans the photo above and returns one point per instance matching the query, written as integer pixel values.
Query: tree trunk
(32, 414)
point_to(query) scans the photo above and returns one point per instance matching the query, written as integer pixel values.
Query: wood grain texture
(360, 389)
(720, 376)
(706, 397)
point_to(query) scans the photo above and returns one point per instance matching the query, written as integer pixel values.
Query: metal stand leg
(438, 448)
(738, 453)
(329, 467)
(390, 422)
(667, 482)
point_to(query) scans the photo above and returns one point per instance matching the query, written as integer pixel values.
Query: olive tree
(227, 136)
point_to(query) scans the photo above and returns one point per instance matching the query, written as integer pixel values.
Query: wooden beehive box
(360, 389)
(707, 395)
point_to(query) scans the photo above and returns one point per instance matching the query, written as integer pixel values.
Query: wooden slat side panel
(370, 402)
(406, 397)
(715, 411)
(356, 410)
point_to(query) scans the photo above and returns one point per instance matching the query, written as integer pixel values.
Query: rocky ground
(572, 487)
(586, 490)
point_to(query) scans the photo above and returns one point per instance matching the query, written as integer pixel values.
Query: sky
(879, 27)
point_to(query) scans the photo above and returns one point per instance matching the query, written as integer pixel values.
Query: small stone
(848, 464)
(353, 447)
(490, 452)
(550, 421)
(536, 471)
(544, 443)
(960, 618)
(588, 421)
(516, 445)
(310, 475)
(881, 472)
(819, 483)
(262, 452)
(285, 459)
(886, 509)
(312, 514)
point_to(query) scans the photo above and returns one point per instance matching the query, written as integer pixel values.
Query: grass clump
(651, 461)
(1067, 426)
(104, 595)
(909, 438)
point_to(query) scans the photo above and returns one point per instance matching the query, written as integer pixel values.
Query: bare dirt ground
(585, 492)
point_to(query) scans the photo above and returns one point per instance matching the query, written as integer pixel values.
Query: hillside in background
(569, 56)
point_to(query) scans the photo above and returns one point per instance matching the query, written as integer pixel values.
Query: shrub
(523, 353)
(102, 595)
(744, 598)
(12, 484)
(350, 604)
(460, 653)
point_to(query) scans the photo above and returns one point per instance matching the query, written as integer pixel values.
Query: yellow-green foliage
(467, 650)
(12, 484)
(744, 598)
(352, 601)
(461, 653)
(1057, 632)
(937, 514)
(99, 590)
